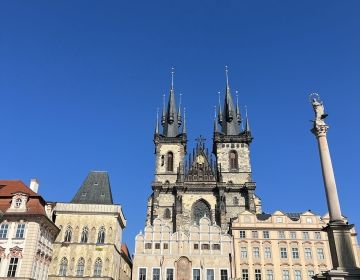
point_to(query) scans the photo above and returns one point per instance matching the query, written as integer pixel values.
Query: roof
(95, 189)
(34, 205)
(125, 250)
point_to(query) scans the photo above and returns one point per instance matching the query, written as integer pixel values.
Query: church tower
(231, 147)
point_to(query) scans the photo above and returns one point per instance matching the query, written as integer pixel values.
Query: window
(320, 253)
(169, 274)
(307, 253)
(257, 274)
(243, 252)
(196, 274)
(281, 234)
(285, 275)
(18, 202)
(205, 246)
(309, 220)
(267, 252)
(223, 274)
(101, 236)
(311, 273)
(170, 161)
(156, 274)
(297, 274)
(216, 246)
(142, 274)
(233, 160)
(256, 252)
(68, 233)
(4, 230)
(283, 253)
(242, 234)
(196, 246)
(305, 235)
(12, 267)
(147, 245)
(97, 267)
(295, 253)
(84, 235)
(279, 219)
(166, 246)
(20, 231)
(255, 234)
(292, 234)
(200, 209)
(317, 235)
(63, 267)
(269, 274)
(80, 267)
(245, 274)
(157, 245)
(209, 274)
(266, 234)
(167, 213)
(235, 201)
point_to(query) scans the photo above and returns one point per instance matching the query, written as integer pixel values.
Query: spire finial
(172, 77)
(247, 124)
(180, 104)
(227, 76)
(184, 123)
(157, 121)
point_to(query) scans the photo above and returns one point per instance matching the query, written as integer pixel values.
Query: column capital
(319, 130)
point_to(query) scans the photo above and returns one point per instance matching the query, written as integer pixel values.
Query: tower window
(200, 209)
(68, 234)
(233, 160)
(170, 161)
(101, 236)
(167, 213)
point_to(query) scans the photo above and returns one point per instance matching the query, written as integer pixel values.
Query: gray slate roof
(95, 189)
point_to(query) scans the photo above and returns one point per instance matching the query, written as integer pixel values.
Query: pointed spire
(157, 122)
(229, 124)
(238, 114)
(215, 121)
(220, 112)
(247, 124)
(171, 118)
(184, 123)
(163, 116)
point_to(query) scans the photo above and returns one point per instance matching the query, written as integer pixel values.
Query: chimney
(34, 185)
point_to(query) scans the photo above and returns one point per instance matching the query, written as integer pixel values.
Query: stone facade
(27, 233)
(93, 257)
(281, 244)
(204, 249)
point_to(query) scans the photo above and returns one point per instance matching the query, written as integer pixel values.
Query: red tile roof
(34, 205)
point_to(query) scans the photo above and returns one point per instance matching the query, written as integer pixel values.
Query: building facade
(89, 243)
(204, 219)
(27, 232)
(281, 245)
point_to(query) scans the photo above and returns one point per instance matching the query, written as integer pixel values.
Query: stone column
(339, 233)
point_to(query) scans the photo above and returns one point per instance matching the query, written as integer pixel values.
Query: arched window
(97, 267)
(63, 267)
(18, 202)
(233, 160)
(170, 161)
(68, 233)
(80, 267)
(235, 201)
(101, 236)
(200, 209)
(167, 213)
(84, 235)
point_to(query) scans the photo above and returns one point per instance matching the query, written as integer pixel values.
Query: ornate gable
(200, 168)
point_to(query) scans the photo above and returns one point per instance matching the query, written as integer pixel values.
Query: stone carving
(320, 128)
(178, 204)
(183, 269)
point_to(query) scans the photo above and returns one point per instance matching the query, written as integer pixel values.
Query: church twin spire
(229, 117)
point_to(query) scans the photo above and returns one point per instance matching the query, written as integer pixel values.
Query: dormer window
(18, 202)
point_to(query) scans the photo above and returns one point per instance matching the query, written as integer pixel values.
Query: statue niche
(183, 269)
(200, 209)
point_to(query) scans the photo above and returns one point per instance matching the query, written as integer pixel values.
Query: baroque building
(89, 243)
(204, 219)
(27, 232)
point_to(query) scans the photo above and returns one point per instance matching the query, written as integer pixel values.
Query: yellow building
(89, 243)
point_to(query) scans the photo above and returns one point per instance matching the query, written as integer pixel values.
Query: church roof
(95, 189)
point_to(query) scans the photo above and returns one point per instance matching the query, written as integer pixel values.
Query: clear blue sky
(80, 82)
